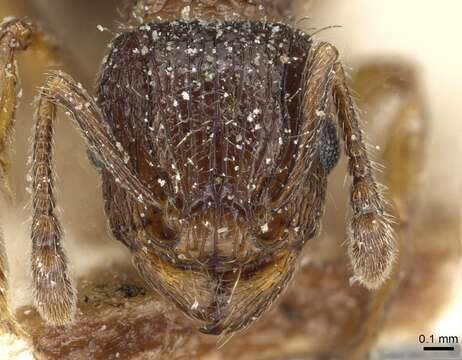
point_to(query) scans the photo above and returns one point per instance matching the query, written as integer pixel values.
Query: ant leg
(7, 322)
(60, 89)
(371, 244)
(15, 35)
(54, 294)
(403, 158)
(371, 247)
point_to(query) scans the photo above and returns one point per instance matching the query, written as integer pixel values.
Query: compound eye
(329, 146)
(271, 232)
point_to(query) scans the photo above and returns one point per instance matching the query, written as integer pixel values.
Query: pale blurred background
(426, 33)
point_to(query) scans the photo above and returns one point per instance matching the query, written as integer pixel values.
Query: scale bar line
(438, 348)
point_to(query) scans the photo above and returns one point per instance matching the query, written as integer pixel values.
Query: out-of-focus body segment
(211, 10)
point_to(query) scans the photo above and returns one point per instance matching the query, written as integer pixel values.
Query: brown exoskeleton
(214, 140)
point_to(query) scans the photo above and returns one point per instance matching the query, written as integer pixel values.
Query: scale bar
(438, 348)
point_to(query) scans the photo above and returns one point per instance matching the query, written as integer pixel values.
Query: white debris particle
(191, 51)
(184, 139)
(195, 306)
(264, 228)
(320, 113)
(209, 76)
(126, 158)
(175, 103)
(100, 28)
(119, 146)
(161, 182)
(353, 137)
(222, 230)
(284, 59)
(155, 35)
(185, 95)
(185, 12)
(268, 161)
(144, 50)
